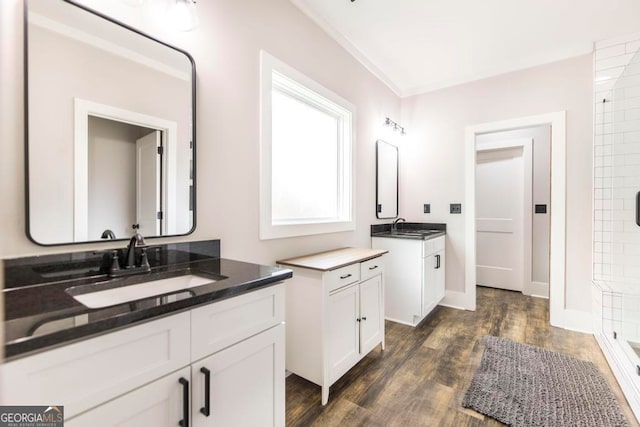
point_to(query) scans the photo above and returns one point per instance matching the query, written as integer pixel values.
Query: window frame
(294, 84)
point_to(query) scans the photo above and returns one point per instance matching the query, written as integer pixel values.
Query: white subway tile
(633, 47)
(617, 61)
(616, 50)
(617, 40)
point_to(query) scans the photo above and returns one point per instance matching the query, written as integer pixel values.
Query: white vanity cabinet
(415, 277)
(152, 374)
(334, 313)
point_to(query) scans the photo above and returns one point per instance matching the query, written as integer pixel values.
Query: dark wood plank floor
(421, 377)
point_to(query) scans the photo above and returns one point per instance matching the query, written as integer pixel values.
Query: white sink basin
(139, 291)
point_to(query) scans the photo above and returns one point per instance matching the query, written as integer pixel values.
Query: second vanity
(209, 355)
(415, 269)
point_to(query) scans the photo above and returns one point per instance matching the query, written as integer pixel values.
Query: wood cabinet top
(330, 260)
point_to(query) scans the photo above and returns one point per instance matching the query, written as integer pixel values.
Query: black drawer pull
(207, 392)
(345, 276)
(184, 422)
(638, 208)
(364, 318)
(373, 268)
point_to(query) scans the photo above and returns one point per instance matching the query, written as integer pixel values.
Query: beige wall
(432, 158)
(226, 48)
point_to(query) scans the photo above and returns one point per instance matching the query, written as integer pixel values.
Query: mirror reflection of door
(149, 183)
(124, 178)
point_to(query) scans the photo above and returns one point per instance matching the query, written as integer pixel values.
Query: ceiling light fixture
(395, 126)
(183, 15)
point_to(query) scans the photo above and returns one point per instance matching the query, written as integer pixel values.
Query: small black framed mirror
(386, 180)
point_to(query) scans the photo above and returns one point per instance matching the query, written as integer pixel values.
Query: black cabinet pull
(364, 318)
(358, 320)
(373, 268)
(207, 392)
(184, 422)
(437, 261)
(345, 276)
(638, 208)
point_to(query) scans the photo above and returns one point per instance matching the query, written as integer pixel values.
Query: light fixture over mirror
(183, 15)
(110, 124)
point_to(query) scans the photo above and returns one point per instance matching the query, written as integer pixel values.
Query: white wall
(541, 193)
(432, 155)
(226, 48)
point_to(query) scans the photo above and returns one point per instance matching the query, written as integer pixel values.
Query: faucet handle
(115, 262)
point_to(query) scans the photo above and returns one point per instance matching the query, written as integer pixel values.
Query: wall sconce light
(395, 126)
(183, 15)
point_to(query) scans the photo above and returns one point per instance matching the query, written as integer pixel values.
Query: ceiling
(416, 46)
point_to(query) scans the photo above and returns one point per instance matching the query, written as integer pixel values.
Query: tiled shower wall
(616, 258)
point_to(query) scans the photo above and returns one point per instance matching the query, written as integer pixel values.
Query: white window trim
(268, 64)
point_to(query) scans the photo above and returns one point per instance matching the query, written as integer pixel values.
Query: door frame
(527, 217)
(82, 110)
(557, 307)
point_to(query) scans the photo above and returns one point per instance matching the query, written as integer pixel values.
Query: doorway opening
(513, 191)
(559, 315)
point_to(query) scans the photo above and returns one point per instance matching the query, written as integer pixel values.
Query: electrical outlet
(427, 208)
(455, 208)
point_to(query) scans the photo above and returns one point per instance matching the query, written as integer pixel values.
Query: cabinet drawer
(342, 276)
(371, 268)
(221, 324)
(83, 375)
(432, 245)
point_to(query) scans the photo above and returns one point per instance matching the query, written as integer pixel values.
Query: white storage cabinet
(334, 314)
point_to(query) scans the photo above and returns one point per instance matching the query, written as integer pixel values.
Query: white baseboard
(459, 300)
(538, 290)
(576, 320)
(624, 372)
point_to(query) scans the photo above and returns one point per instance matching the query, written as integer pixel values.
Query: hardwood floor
(421, 377)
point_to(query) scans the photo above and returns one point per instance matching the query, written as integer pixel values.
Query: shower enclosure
(617, 223)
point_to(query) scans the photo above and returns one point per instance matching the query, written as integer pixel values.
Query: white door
(370, 314)
(148, 170)
(500, 218)
(246, 383)
(160, 403)
(429, 284)
(344, 331)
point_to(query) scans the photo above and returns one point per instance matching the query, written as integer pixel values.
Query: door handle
(207, 392)
(437, 261)
(184, 422)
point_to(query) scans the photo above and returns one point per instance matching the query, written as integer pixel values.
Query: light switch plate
(455, 208)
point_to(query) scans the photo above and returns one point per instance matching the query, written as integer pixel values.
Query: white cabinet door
(158, 404)
(246, 383)
(343, 331)
(429, 284)
(370, 314)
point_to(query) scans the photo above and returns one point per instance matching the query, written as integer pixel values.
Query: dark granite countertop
(41, 313)
(409, 230)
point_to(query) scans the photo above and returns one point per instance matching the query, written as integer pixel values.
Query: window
(306, 155)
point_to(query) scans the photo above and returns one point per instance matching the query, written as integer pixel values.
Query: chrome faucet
(394, 226)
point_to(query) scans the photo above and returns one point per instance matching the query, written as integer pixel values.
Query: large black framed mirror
(109, 128)
(386, 180)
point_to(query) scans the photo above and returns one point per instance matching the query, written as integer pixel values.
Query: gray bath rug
(523, 385)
